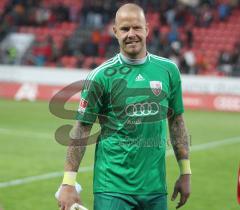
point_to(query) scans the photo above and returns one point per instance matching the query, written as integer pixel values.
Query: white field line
(20, 132)
(39, 177)
(210, 145)
(30, 179)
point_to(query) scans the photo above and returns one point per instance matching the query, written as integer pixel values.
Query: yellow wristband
(69, 178)
(184, 166)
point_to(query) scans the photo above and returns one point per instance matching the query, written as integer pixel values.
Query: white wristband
(78, 188)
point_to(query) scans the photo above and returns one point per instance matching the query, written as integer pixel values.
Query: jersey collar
(127, 60)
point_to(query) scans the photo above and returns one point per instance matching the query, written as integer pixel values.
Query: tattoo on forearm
(76, 149)
(74, 157)
(179, 137)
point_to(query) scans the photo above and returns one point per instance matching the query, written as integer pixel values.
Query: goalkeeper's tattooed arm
(75, 152)
(77, 146)
(180, 142)
(179, 137)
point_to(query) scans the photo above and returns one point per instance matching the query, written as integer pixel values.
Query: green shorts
(117, 201)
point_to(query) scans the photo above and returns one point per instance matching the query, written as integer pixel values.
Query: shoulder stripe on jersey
(163, 59)
(118, 55)
(91, 75)
(105, 64)
(107, 61)
(115, 60)
(148, 55)
(88, 81)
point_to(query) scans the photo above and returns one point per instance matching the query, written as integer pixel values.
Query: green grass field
(28, 148)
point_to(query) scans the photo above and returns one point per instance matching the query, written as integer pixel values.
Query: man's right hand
(67, 197)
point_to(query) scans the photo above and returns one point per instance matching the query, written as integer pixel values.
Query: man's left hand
(182, 186)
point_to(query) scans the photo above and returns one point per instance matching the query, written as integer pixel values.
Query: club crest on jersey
(156, 87)
(82, 105)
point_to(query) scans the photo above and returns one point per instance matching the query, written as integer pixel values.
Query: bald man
(133, 95)
(131, 31)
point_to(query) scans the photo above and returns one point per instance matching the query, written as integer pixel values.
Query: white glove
(78, 188)
(77, 206)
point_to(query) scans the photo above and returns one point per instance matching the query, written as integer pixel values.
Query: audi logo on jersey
(142, 109)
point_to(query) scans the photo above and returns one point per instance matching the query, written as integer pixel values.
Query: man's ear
(115, 30)
(147, 28)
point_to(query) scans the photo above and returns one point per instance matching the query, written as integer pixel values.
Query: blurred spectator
(80, 61)
(236, 68)
(9, 55)
(43, 15)
(96, 36)
(83, 14)
(43, 52)
(19, 14)
(74, 13)
(224, 62)
(5, 26)
(50, 49)
(190, 59)
(175, 52)
(12, 55)
(173, 35)
(236, 52)
(154, 43)
(201, 63)
(109, 10)
(65, 48)
(223, 11)
(207, 15)
(94, 15)
(90, 49)
(183, 66)
(181, 15)
(61, 12)
(189, 36)
(236, 60)
(170, 16)
(192, 3)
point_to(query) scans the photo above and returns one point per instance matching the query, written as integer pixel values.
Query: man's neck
(134, 61)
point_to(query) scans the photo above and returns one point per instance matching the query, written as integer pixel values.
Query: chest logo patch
(156, 87)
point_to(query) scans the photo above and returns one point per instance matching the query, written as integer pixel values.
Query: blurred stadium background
(48, 44)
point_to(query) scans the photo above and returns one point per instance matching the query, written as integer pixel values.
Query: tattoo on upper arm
(179, 137)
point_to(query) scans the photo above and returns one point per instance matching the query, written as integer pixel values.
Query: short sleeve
(90, 104)
(176, 100)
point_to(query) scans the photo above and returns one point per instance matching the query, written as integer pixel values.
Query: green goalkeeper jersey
(132, 101)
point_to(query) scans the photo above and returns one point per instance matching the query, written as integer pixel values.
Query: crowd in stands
(229, 62)
(173, 32)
